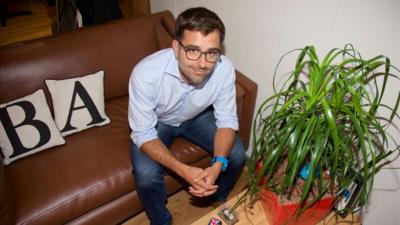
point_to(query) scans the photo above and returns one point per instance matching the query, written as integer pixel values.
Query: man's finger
(206, 186)
(197, 189)
(207, 193)
(201, 176)
(196, 192)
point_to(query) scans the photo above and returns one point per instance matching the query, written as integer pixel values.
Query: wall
(260, 31)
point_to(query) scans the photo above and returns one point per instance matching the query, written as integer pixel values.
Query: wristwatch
(222, 160)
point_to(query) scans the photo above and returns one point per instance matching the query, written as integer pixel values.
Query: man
(186, 91)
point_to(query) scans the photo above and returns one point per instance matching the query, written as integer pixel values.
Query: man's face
(195, 71)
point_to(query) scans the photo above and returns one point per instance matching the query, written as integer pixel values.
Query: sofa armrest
(249, 101)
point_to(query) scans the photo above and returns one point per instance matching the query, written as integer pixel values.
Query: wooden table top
(256, 216)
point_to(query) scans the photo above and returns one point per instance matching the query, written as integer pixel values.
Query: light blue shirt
(158, 94)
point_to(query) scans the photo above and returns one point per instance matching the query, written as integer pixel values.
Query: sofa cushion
(99, 155)
(27, 127)
(61, 195)
(78, 103)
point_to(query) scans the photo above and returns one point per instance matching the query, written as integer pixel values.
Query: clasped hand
(202, 181)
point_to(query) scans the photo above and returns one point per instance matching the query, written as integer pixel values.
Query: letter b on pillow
(26, 127)
(78, 102)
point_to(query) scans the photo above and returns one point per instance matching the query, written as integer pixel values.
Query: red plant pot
(278, 213)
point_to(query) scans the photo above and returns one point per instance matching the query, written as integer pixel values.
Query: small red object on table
(215, 221)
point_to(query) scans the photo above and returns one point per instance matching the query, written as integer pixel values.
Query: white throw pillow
(78, 102)
(27, 127)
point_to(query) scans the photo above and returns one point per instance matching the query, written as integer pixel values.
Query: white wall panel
(260, 31)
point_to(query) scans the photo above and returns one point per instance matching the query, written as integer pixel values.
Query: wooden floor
(27, 27)
(182, 209)
(185, 213)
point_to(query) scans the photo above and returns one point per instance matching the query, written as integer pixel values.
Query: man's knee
(148, 178)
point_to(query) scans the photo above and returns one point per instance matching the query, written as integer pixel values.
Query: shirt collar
(172, 67)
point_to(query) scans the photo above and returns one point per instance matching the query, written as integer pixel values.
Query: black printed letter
(88, 104)
(10, 128)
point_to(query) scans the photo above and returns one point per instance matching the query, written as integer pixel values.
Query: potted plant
(324, 134)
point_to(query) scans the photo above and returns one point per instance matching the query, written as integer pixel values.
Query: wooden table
(256, 216)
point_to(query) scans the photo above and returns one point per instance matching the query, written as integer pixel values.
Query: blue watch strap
(222, 160)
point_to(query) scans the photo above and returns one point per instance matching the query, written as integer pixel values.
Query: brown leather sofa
(88, 180)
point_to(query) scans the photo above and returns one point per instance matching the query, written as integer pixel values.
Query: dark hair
(199, 19)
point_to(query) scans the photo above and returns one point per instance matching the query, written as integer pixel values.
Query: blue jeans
(149, 174)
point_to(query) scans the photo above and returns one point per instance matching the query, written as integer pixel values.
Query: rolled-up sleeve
(141, 115)
(225, 104)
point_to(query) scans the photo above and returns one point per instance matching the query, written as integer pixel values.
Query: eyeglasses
(194, 54)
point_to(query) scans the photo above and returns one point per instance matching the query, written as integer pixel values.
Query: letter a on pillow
(78, 102)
